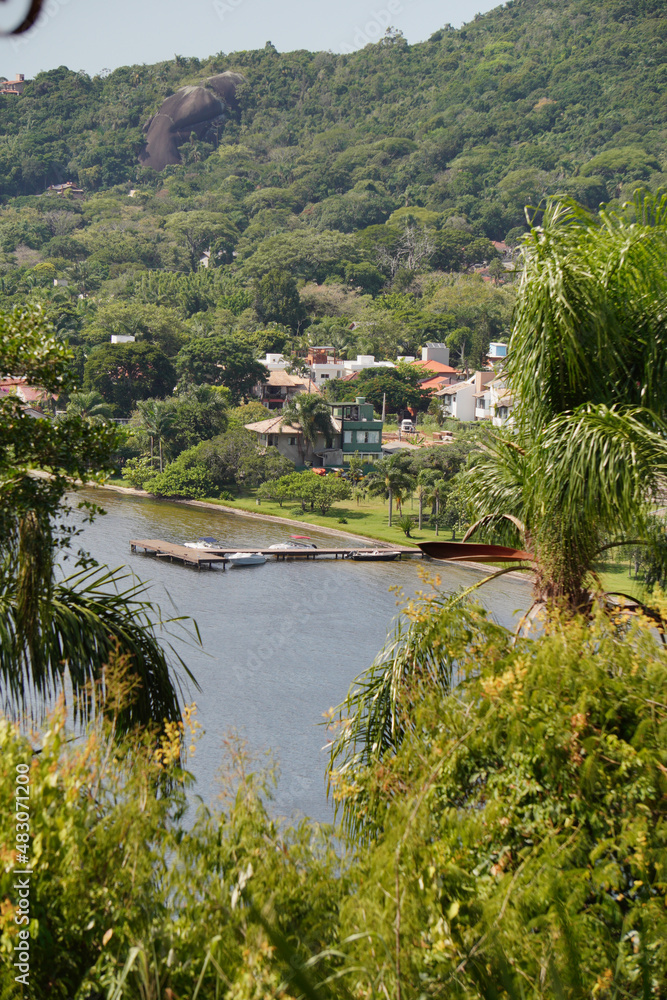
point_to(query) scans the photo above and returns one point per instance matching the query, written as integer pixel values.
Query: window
(368, 437)
(480, 404)
(502, 412)
(292, 442)
(347, 437)
(324, 375)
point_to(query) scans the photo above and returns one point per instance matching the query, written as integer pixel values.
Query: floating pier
(178, 553)
(214, 556)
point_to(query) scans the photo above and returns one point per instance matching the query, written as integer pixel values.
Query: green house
(359, 430)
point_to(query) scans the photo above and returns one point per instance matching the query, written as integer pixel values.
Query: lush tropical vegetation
(59, 630)
(502, 797)
(582, 468)
(508, 842)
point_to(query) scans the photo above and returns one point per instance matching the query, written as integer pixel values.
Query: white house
(497, 352)
(275, 362)
(459, 401)
(326, 372)
(365, 361)
(494, 403)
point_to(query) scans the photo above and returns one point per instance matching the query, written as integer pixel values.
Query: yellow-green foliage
(127, 892)
(514, 840)
(520, 823)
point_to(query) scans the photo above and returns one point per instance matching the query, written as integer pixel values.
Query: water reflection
(281, 642)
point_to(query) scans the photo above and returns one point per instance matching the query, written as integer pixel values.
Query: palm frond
(427, 650)
(91, 613)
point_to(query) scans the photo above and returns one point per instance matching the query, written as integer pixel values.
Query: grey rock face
(190, 109)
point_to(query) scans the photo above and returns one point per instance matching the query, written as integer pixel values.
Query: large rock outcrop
(190, 109)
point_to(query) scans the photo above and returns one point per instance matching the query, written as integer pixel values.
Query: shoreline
(271, 518)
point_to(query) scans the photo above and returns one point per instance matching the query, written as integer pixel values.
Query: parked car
(407, 427)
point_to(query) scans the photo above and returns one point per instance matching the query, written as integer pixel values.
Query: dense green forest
(349, 199)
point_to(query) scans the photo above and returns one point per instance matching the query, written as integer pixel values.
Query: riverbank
(284, 519)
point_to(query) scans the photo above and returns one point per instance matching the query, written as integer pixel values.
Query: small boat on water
(287, 546)
(296, 542)
(207, 542)
(374, 555)
(246, 559)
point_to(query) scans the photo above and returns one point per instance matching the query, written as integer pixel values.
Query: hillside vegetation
(349, 197)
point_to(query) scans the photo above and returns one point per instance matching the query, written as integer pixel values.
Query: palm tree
(89, 404)
(435, 493)
(156, 420)
(387, 478)
(310, 413)
(587, 366)
(54, 633)
(577, 474)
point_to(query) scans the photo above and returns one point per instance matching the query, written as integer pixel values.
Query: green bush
(192, 484)
(513, 795)
(139, 472)
(129, 890)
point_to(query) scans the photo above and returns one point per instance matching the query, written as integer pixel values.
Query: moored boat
(246, 559)
(374, 555)
(295, 542)
(207, 542)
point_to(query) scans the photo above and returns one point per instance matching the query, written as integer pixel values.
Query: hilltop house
(459, 400)
(68, 188)
(279, 388)
(355, 430)
(494, 402)
(15, 86)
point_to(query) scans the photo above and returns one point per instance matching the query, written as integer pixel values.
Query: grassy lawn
(615, 577)
(369, 518)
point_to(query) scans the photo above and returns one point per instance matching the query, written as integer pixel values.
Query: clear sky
(92, 35)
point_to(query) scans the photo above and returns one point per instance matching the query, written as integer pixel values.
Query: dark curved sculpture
(190, 109)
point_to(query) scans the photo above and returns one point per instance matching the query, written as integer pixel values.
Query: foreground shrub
(517, 820)
(129, 890)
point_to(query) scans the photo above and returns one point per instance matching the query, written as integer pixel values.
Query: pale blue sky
(96, 34)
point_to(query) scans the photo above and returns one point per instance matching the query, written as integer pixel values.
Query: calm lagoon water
(282, 642)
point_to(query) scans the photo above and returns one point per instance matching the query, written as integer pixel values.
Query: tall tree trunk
(160, 443)
(390, 499)
(421, 508)
(151, 451)
(437, 511)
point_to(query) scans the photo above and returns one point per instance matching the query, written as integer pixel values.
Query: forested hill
(532, 98)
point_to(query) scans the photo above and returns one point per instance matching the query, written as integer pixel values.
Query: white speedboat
(246, 559)
(204, 543)
(295, 542)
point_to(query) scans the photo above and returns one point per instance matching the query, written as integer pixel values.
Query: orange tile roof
(436, 367)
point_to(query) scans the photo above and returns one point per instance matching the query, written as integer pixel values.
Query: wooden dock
(215, 556)
(178, 553)
(346, 553)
